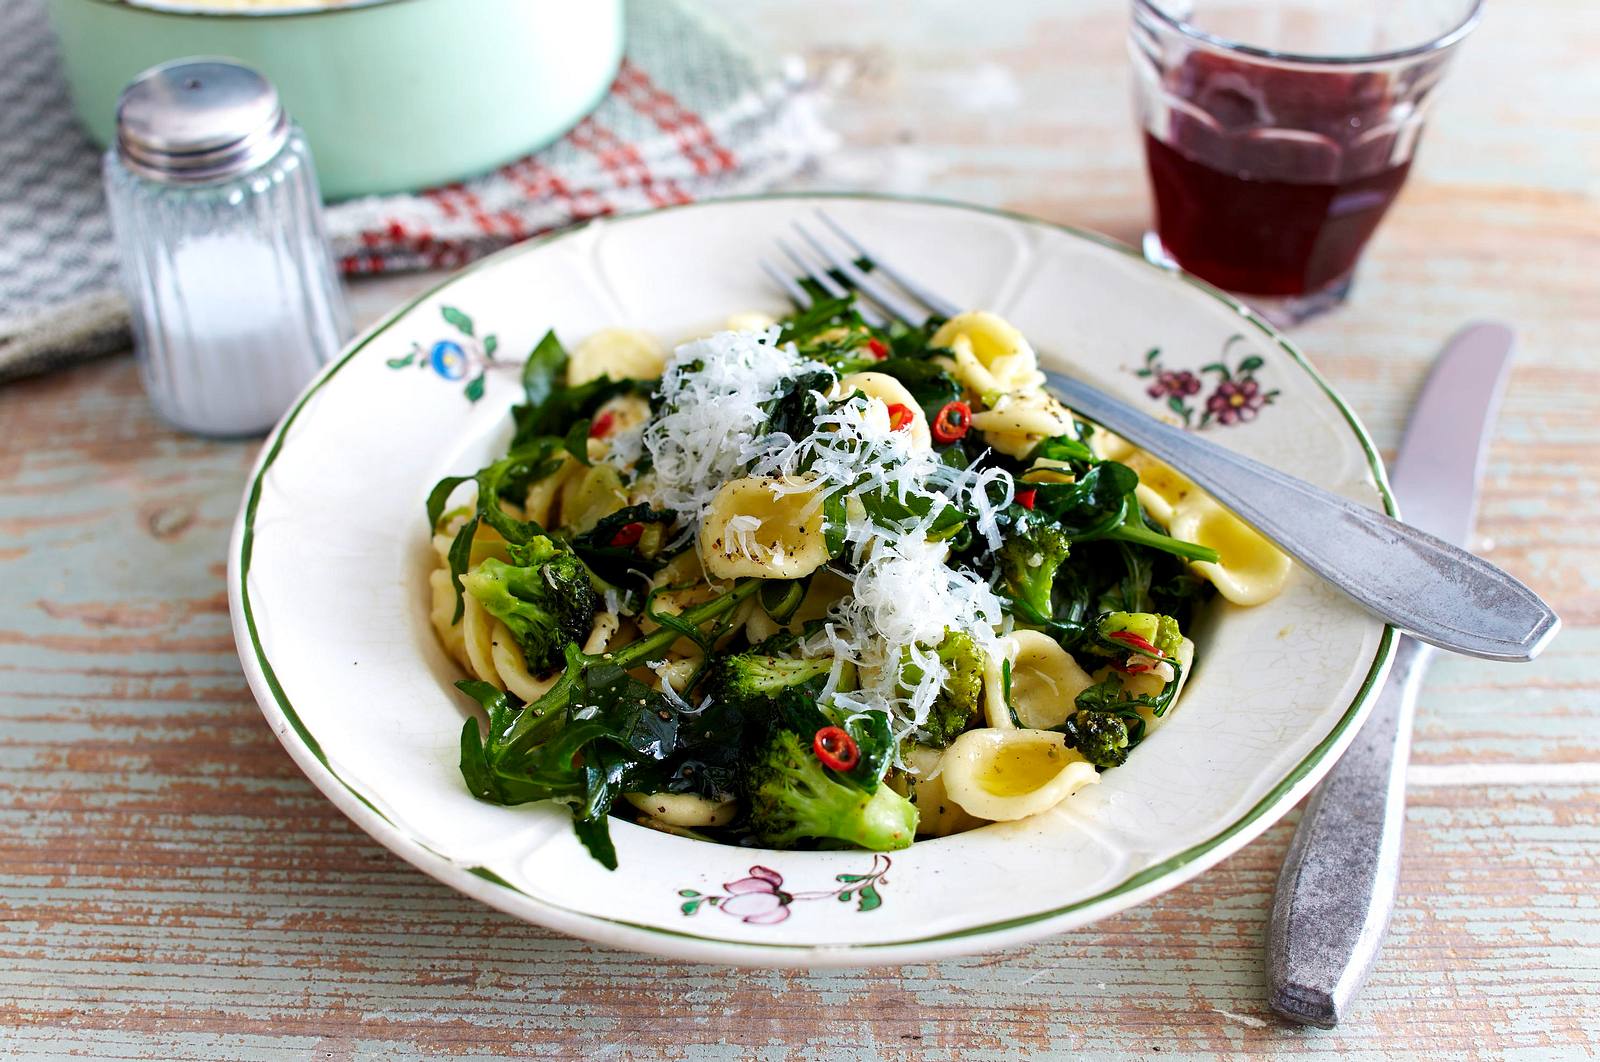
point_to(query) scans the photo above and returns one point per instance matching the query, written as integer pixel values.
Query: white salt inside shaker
(214, 203)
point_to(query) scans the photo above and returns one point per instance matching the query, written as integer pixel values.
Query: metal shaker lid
(198, 120)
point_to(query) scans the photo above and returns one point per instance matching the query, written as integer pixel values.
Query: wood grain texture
(172, 887)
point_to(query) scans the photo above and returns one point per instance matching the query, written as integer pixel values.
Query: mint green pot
(394, 95)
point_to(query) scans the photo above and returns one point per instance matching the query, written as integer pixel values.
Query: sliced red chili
(951, 422)
(628, 535)
(1025, 497)
(1139, 643)
(836, 749)
(602, 425)
(900, 416)
(879, 350)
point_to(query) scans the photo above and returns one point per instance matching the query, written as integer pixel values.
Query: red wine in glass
(1271, 171)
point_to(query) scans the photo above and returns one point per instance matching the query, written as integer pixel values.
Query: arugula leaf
(875, 740)
(576, 441)
(558, 413)
(613, 563)
(439, 497)
(794, 413)
(544, 370)
(886, 509)
(931, 386)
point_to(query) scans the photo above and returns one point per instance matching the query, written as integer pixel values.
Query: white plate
(327, 581)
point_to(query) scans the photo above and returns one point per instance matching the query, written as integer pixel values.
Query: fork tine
(865, 284)
(796, 293)
(827, 283)
(821, 276)
(940, 305)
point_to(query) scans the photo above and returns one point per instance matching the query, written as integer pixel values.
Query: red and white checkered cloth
(690, 115)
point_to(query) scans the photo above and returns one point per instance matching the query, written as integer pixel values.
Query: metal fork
(1423, 585)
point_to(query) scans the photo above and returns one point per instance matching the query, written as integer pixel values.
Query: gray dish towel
(691, 115)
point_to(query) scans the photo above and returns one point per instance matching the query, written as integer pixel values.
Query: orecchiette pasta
(590, 494)
(1002, 775)
(991, 355)
(620, 353)
(1252, 570)
(890, 392)
(1045, 680)
(685, 809)
(937, 814)
(1017, 423)
(1149, 684)
(752, 530)
(545, 494)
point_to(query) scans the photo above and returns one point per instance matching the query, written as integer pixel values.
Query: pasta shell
(991, 355)
(1045, 680)
(937, 814)
(684, 809)
(751, 321)
(890, 392)
(1001, 775)
(620, 353)
(1018, 423)
(511, 667)
(752, 530)
(442, 612)
(1251, 569)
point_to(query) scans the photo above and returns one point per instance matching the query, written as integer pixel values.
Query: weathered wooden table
(171, 887)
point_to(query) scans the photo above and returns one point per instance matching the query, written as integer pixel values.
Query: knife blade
(1337, 886)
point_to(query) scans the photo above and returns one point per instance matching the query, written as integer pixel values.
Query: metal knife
(1337, 886)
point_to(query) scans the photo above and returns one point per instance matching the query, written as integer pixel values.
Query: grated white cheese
(711, 422)
(711, 429)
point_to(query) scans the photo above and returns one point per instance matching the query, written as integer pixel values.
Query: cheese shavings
(711, 417)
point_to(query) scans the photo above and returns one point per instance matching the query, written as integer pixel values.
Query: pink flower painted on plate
(758, 899)
(1235, 401)
(1236, 398)
(1168, 382)
(761, 900)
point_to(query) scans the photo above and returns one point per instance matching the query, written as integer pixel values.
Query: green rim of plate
(1144, 877)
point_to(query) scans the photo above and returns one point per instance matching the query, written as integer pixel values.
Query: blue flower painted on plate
(448, 359)
(466, 357)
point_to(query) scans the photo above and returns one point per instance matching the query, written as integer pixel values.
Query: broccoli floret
(1160, 631)
(790, 795)
(961, 696)
(1028, 562)
(1100, 736)
(754, 675)
(544, 597)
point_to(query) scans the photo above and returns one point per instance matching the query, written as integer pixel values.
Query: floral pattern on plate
(1236, 394)
(463, 356)
(760, 898)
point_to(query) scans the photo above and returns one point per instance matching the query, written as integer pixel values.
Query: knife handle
(1422, 584)
(1337, 886)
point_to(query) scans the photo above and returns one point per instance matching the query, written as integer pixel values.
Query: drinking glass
(1277, 133)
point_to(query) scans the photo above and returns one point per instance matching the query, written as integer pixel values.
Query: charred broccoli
(545, 597)
(1102, 737)
(791, 795)
(1028, 562)
(961, 695)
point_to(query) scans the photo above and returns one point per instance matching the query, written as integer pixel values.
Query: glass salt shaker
(218, 222)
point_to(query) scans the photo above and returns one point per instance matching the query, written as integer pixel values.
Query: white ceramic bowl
(327, 581)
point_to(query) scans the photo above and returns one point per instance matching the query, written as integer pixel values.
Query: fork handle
(1439, 593)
